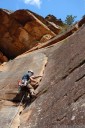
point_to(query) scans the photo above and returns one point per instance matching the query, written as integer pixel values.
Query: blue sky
(59, 8)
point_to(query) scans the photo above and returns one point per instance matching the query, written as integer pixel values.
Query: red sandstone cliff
(20, 31)
(61, 92)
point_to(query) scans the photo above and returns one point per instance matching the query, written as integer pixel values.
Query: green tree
(70, 19)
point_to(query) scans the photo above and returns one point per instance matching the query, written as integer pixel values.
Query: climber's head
(31, 73)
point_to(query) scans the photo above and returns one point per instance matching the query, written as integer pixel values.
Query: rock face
(20, 31)
(3, 58)
(52, 18)
(60, 98)
(10, 73)
(82, 21)
(61, 101)
(57, 23)
(23, 30)
(54, 25)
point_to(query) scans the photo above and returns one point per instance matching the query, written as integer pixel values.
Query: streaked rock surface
(62, 92)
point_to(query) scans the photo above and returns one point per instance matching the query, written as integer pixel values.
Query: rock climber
(27, 81)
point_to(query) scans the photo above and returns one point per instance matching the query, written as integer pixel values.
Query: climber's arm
(34, 77)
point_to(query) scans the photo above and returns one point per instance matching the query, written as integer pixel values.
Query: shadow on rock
(23, 97)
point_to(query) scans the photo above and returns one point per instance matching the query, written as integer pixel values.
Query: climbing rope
(16, 112)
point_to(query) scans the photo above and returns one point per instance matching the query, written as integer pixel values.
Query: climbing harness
(16, 112)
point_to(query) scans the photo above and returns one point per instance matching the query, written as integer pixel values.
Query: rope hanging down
(16, 112)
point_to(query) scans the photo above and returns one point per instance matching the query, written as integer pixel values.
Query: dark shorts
(23, 89)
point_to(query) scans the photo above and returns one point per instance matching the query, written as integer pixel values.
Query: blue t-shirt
(26, 77)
